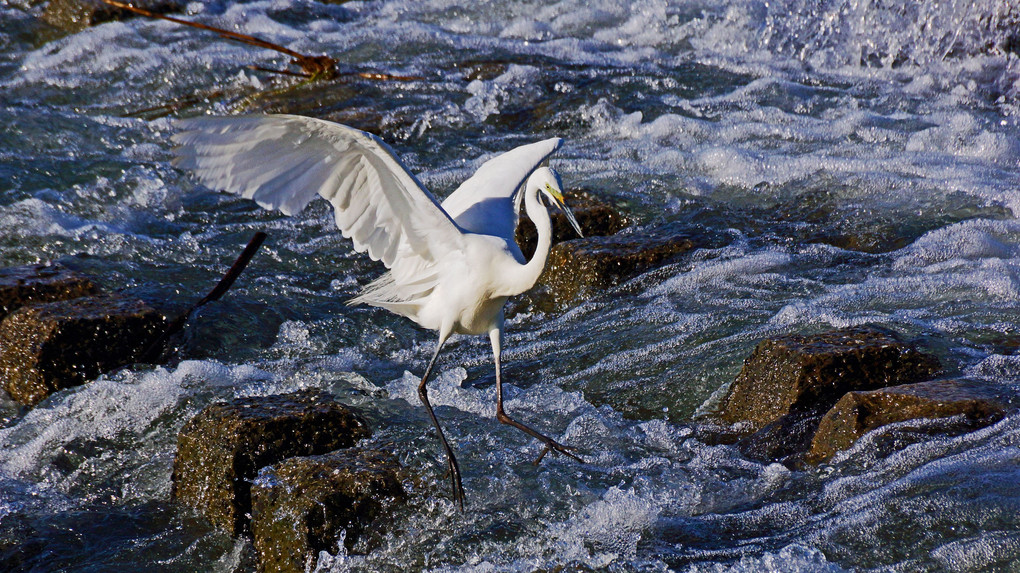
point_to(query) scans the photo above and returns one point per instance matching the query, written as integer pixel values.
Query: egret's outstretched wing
(284, 161)
(485, 203)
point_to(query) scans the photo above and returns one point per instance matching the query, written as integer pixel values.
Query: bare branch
(323, 67)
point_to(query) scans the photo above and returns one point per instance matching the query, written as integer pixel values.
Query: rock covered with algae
(45, 347)
(974, 403)
(333, 502)
(41, 283)
(221, 450)
(789, 382)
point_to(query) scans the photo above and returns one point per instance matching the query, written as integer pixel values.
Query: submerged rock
(40, 283)
(221, 450)
(45, 347)
(305, 505)
(341, 102)
(857, 413)
(76, 15)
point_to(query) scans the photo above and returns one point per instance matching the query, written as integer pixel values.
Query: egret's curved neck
(526, 275)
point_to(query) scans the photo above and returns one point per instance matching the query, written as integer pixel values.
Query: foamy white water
(854, 162)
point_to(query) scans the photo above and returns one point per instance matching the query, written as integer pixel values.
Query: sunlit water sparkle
(859, 161)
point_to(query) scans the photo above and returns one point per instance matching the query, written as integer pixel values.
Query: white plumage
(451, 266)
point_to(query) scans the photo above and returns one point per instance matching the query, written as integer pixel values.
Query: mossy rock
(45, 347)
(221, 450)
(305, 505)
(976, 403)
(40, 283)
(809, 373)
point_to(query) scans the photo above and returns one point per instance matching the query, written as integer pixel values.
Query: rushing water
(860, 158)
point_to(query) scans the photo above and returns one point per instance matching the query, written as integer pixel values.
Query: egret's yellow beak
(562, 206)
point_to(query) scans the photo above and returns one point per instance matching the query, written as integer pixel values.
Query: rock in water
(789, 382)
(579, 268)
(857, 413)
(40, 283)
(50, 346)
(221, 450)
(305, 505)
(795, 373)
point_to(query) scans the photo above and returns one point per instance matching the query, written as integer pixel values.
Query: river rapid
(861, 159)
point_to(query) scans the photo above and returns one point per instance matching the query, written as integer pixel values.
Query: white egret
(451, 266)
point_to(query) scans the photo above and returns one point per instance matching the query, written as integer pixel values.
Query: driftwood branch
(323, 67)
(312, 68)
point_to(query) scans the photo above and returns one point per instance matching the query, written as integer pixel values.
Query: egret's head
(551, 187)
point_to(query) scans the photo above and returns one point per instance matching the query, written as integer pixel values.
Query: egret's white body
(451, 266)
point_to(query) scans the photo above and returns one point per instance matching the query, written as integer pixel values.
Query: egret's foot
(453, 472)
(552, 445)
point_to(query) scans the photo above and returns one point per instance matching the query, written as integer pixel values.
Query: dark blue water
(858, 163)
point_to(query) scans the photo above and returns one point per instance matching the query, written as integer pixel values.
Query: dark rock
(784, 440)
(221, 450)
(820, 214)
(857, 413)
(305, 505)
(597, 218)
(579, 268)
(76, 15)
(808, 374)
(40, 283)
(21, 544)
(45, 347)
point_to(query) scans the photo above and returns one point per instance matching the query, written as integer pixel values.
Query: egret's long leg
(551, 445)
(451, 460)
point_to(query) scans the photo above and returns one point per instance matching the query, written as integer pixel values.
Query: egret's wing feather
(486, 202)
(283, 162)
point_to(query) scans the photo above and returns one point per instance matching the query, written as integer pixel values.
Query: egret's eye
(553, 193)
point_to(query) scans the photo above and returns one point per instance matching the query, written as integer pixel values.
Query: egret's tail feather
(374, 291)
(384, 292)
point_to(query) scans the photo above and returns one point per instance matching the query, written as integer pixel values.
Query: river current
(860, 158)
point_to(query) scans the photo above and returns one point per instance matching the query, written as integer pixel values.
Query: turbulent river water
(859, 158)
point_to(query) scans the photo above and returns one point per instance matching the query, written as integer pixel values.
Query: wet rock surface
(76, 15)
(40, 283)
(597, 217)
(798, 373)
(815, 211)
(977, 403)
(221, 450)
(784, 440)
(45, 347)
(304, 505)
(579, 268)
(789, 383)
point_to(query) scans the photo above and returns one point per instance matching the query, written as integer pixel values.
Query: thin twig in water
(176, 105)
(387, 77)
(280, 72)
